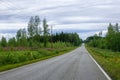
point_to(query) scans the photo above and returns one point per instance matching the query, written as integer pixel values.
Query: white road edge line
(107, 76)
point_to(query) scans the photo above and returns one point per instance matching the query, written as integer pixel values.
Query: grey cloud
(99, 11)
(3, 31)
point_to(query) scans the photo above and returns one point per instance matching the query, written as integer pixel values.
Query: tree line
(110, 41)
(37, 34)
(72, 38)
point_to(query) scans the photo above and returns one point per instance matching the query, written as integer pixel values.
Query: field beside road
(110, 61)
(13, 59)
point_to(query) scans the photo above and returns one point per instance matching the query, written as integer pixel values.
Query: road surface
(75, 65)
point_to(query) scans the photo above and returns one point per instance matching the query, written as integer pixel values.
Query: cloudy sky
(86, 17)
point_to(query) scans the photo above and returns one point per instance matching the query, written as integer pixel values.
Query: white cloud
(52, 23)
(81, 18)
(12, 25)
(83, 26)
(85, 35)
(7, 35)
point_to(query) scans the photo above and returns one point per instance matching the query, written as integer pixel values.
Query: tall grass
(11, 59)
(109, 60)
(59, 44)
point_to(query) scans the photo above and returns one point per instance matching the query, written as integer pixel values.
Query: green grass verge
(46, 54)
(110, 61)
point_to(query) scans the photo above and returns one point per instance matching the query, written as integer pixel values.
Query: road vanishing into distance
(75, 65)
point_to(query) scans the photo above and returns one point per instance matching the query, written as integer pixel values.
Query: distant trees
(38, 36)
(72, 38)
(110, 41)
(12, 42)
(3, 42)
(21, 37)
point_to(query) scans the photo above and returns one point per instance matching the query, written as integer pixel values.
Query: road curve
(75, 65)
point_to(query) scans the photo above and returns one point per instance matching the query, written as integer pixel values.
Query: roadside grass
(13, 59)
(110, 61)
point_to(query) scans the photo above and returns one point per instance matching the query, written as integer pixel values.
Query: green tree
(18, 35)
(21, 37)
(45, 32)
(3, 42)
(34, 30)
(24, 37)
(36, 24)
(12, 42)
(100, 33)
(110, 39)
(31, 27)
(116, 27)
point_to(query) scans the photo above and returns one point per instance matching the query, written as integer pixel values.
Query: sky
(86, 17)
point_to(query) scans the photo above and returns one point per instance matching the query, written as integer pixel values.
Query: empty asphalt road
(75, 65)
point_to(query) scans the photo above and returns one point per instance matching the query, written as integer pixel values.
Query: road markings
(107, 76)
